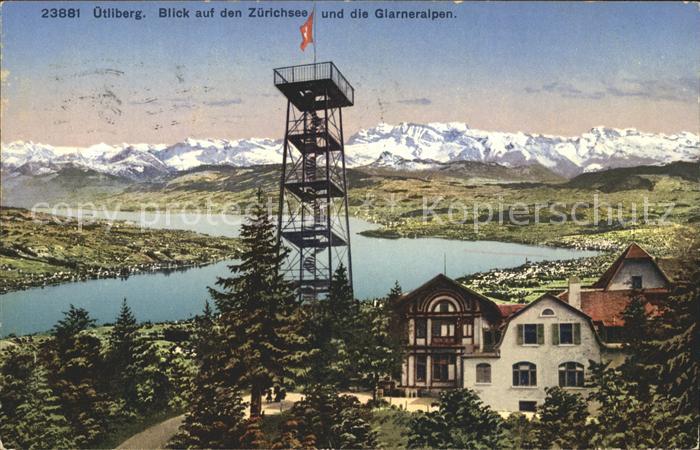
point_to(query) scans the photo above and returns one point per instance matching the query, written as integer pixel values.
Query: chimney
(575, 292)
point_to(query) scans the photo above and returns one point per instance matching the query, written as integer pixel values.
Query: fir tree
(215, 413)
(461, 421)
(334, 334)
(674, 359)
(325, 419)
(561, 420)
(625, 421)
(74, 321)
(259, 312)
(30, 413)
(382, 340)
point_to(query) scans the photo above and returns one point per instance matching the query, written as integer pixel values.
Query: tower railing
(314, 72)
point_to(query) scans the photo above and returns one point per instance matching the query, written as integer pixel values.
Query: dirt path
(154, 437)
(157, 436)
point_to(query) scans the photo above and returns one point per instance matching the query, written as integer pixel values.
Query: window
(547, 312)
(527, 406)
(443, 327)
(491, 338)
(420, 367)
(524, 374)
(483, 373)
(636, 282)
(421, 328)
(531, 334)
(443, 307)
(443, 367)
(571, 374)
(566, 333)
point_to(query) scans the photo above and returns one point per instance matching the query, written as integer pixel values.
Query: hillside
(641, 177)
(38, 249)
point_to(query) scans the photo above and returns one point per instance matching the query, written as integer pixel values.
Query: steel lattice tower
(313, 205)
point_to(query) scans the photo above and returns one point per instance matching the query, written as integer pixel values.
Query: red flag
(307, 32)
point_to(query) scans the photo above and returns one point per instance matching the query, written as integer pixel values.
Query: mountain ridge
(406, 146)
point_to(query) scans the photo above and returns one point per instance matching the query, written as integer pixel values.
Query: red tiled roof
(633, 251)
(607, 307)
(508, 309)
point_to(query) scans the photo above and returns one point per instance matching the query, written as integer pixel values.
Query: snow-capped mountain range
(406, 146)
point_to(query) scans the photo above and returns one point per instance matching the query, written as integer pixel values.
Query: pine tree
(625, 421)
(334, 334)
(30, 413)
(259, 312)
(561, 420)
(215, 412)
(674, 359)
(74, 321)
(325, 419)
(382, 340)
(461, 421)
(120, 351)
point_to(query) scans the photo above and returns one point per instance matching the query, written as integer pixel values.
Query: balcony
(443, 340)
(312, 87)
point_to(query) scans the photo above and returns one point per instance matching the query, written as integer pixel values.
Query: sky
(552, 68)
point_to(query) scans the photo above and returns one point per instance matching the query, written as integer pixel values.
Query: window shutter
(577, 333)
(540, 333)
(555, 334)
(520, 335)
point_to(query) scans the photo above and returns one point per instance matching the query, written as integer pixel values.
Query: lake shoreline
(105, 273)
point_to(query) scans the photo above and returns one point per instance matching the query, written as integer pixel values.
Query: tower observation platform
(313, 207)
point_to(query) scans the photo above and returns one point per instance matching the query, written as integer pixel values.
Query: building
(635, 273)
(445, 321)
(546, 343)
(508, 353)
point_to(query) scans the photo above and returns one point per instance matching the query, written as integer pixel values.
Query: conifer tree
(382, 340)
(215, 413)
(30, 413)
(674, 359)
(561, 420)
(334, 332)
(259, 311)
(74, 321)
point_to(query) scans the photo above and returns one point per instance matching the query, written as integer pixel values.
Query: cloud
(683, 89)
(415, 101)
(566, 90)
(4, 75)
(226, 102)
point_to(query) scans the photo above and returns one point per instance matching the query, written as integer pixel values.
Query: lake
(377, 264)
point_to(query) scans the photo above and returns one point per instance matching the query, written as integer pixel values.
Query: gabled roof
(607, 307)
(560, 302)
(632, 252)
(508, 309)
(443, 282)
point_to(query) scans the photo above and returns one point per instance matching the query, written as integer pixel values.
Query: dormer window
(636, 282)
(547, 312)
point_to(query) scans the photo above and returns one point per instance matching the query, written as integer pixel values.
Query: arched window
(547, 312)
(571, 374)
(444, 306)
(524, 374)
(483, 373)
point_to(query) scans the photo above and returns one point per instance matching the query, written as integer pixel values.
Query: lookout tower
(313, 205)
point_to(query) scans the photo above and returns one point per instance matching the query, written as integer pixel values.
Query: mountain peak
(406, 145)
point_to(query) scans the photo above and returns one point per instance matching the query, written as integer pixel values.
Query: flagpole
(313, 31)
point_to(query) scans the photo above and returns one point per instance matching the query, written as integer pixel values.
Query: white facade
(547, 355)
(649, 275)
